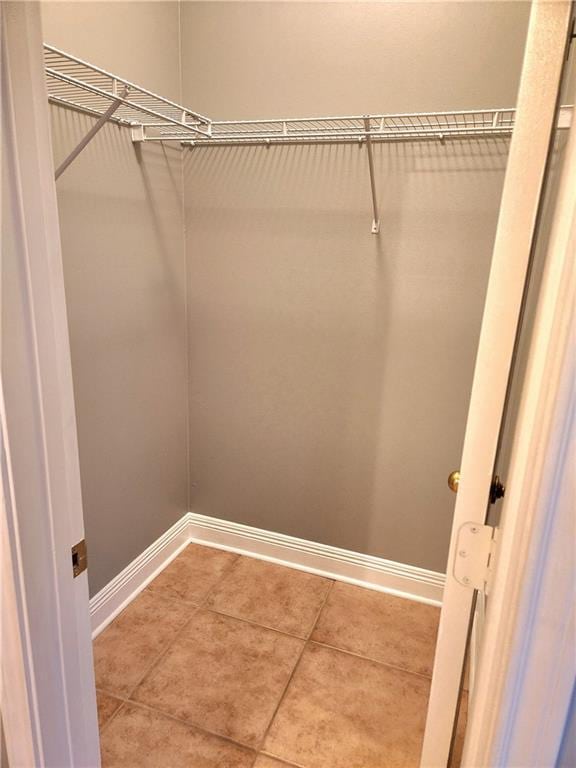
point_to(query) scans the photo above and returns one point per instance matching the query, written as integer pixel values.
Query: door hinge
(79, 558)
(475, 555)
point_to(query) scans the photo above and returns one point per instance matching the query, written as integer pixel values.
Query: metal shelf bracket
(91, 133)
(376, 219)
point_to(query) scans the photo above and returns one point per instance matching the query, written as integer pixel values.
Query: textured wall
(330, 369)
(122, 239)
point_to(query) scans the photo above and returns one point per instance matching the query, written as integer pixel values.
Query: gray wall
(330, 370)
(122, 238)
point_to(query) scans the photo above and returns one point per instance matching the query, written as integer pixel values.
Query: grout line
(225, 573)
(374, 661)
(108, 692)
(328, 592)
(170, 599)
(188, 723)
(282, 761)
(161, 654)
(254, 623)
(158, 658)
(112, 717)
(202, 600)
(299, 659)
(202, 605)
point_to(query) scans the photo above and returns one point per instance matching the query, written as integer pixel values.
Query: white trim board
(368, 571)
(335, 563)
(115, 596)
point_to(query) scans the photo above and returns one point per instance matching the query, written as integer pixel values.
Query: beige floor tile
(124, 651)
(107, 705)
(140, 738)
(224, 675)
(263, 761)
(271, 595)
(192, 574)
(382, 627)
(342, 711)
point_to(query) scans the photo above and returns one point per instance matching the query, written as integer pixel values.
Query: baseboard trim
(116, 595)
(341, 564)
(335, 563)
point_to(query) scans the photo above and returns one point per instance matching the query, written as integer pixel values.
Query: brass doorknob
(454, 480)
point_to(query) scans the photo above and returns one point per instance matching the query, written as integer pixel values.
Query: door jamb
(527, 663)
(544, 57)
(47, 608)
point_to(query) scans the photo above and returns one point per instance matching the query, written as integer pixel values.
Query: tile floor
(225, 661)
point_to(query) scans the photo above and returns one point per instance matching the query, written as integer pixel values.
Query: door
(471, 540)
(49, 703)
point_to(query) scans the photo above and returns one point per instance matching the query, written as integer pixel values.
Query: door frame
(538, 95)
(527, 663)
(48, 693)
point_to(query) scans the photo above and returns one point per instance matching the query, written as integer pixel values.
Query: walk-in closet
(277, 224)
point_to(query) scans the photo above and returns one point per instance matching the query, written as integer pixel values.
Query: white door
(48, 697)
(471, 540)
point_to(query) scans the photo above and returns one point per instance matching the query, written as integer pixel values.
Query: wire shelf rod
(328, 137)
(360, 118)
(92, 112)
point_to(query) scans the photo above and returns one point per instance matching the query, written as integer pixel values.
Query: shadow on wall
(330, 369)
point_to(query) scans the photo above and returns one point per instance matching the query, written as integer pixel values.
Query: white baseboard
(322, 559)
(116, 595)
(341, 564)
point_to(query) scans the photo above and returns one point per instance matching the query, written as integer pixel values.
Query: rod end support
(375, 227)
(137, 133)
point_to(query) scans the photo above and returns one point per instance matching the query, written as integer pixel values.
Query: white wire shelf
(76, 84)
(81, 86)
(437, 125)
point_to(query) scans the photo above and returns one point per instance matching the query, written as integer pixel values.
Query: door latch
(497, 490)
